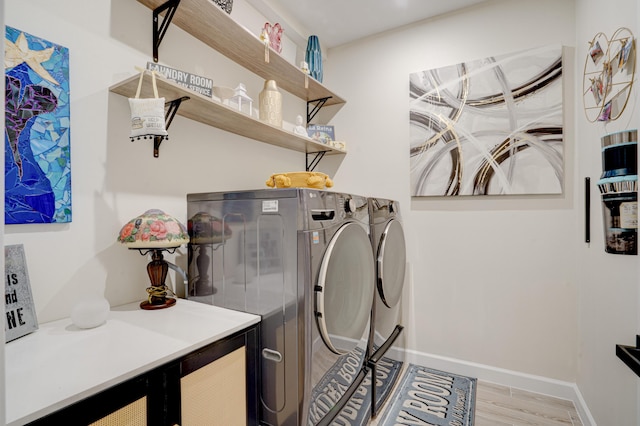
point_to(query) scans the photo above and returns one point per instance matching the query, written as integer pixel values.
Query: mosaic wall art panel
(492, 126)
(37, 140)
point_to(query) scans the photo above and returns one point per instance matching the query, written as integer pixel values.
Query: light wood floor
(498, 405)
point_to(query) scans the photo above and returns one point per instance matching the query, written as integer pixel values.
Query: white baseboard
(515, 379)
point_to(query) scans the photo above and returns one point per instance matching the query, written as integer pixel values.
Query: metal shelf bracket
(159, 29)
(168, 118)
(310, 166)
(315, 105)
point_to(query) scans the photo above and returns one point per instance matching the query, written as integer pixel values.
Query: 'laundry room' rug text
(431, 397)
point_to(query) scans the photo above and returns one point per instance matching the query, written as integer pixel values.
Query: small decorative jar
(271, 104)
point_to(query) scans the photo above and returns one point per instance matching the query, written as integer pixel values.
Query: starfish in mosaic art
(19, 52)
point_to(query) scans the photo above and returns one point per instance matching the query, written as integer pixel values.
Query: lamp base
(148, 306)
(157, 270)
(204, 288)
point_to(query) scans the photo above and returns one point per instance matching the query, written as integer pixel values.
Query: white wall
(505, 282)
(493, 278)
(609, 296)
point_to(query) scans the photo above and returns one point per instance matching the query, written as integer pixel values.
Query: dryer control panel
(325, 208)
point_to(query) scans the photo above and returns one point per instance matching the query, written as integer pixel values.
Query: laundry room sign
(20, 311)
(197, 83)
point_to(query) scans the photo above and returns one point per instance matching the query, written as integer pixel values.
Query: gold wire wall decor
(609, 74)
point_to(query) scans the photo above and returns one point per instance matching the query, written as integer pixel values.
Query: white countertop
(60, 364)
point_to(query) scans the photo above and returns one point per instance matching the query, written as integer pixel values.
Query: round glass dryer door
(345, 289)
(391, 260)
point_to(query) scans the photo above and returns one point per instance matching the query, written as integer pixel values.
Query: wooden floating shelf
(213, 113)
(208, 23)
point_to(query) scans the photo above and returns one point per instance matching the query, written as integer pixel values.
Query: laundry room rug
(357, 412)
(431, 397)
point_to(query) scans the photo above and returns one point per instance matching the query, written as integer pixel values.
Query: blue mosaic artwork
(37, 140)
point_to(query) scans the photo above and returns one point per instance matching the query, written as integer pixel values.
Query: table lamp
(206, 233)
(153, 232)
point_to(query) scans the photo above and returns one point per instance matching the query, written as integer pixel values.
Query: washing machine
(387, 341)
(302, 260)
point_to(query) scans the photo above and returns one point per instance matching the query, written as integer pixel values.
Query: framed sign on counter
(20, 318)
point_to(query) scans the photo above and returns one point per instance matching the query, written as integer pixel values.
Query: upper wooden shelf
(214, 113)
(207, 22)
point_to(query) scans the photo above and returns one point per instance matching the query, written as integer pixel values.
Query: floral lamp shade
(205, 228)
(153, 229)
(153, 232)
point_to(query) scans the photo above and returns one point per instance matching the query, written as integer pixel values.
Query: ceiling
(337, 22)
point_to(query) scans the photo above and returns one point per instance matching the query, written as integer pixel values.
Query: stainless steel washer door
(391, 262)
(345, 288)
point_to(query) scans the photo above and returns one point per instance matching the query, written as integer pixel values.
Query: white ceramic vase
(271, 104)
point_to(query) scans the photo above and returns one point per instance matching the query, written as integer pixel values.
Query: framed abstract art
(37, 138)
(492, 126)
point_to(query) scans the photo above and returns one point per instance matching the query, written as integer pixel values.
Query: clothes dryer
(301, 259)
(387, 340)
